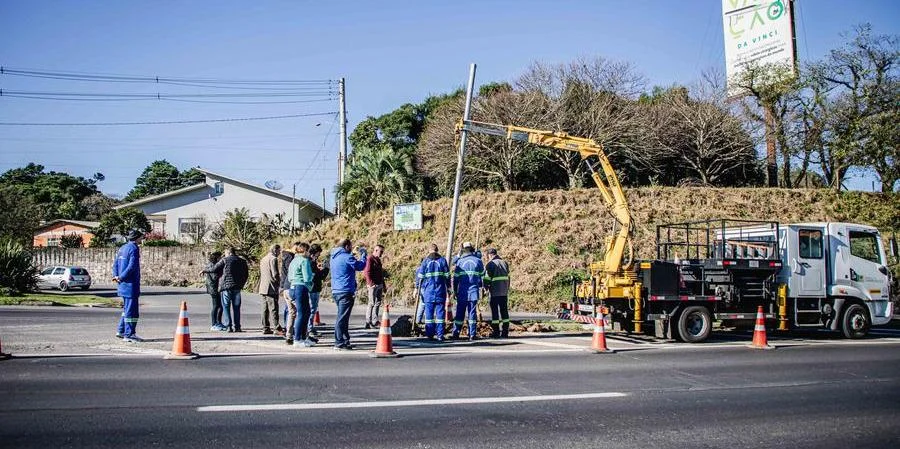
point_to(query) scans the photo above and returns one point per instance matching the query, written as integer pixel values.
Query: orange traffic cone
(598, 344)
(181, 347)
(316, 321)
(3, 355)
(385, 345)
(759, 332)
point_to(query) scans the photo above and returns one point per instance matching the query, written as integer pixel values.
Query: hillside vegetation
(547, 236)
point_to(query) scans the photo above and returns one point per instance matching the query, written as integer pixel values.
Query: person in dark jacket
(375, 286)
(126, 271)
(343, 288)
(212, 288)
(320, 271)
(234, 275)
(496, 282)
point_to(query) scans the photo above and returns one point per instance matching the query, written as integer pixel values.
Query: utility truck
(804, 275)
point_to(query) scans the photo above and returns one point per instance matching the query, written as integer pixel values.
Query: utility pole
(342, 158)
(459, 163)
(293, 206)
(323, 203)
(771, 159)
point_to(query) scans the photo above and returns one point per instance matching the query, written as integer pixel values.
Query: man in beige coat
(269, 281)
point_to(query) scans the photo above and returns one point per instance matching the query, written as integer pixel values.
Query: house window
(219, 187)
(189, 226)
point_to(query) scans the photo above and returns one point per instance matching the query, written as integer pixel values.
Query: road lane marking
(406, 403)
(551, 344)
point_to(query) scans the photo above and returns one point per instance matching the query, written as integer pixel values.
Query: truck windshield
(865, 246)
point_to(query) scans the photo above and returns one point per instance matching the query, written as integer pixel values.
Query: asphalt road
(71, 384)
(796, 396)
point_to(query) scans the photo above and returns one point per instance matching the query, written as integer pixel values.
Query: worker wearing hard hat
(467, 283)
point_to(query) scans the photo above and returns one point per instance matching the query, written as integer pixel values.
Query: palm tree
(379, 177)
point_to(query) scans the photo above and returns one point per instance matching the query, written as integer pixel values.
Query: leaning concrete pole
(459, 163)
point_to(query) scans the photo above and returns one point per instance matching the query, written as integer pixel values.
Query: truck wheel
(855, 322)
(694, 324)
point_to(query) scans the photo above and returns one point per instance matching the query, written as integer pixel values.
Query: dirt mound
(549, 236)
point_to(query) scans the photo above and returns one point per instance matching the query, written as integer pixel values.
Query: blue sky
(390, 52)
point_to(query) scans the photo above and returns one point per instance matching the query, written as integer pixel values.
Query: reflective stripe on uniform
(436, 274)
(469, 273)
(131, 320)
(501, 278)
(457, 321)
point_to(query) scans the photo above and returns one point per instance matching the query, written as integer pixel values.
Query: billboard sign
(408, 217)
(757, 33)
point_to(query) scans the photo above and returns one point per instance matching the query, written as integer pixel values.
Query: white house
(184, 213)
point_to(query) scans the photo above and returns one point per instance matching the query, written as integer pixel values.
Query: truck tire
(694, 324)
(855, 321)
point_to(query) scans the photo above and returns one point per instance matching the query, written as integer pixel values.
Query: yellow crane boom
(608, 183)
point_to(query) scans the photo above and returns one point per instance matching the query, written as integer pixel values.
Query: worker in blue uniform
(467, 283)
(126, 273)
(433, 280)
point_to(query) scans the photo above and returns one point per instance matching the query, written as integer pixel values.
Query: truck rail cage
(720, 238)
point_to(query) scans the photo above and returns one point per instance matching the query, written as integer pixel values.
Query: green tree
(71, 241)
(119, 221)
(19, 216)
(57, 195)
(377, 178)
(161, 177)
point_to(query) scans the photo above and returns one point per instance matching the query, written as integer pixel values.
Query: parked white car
(65, 278)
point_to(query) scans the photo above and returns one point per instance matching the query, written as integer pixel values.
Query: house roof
(51, 223)
(152, 198)
(298, 200)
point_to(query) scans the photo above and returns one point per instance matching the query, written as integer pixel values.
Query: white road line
(408, 403)
(551, 344)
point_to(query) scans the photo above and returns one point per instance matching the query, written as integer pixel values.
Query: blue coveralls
(467, 282)
(127, 267)
(433, 279)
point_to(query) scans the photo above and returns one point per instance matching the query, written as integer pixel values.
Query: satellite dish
(273, 184)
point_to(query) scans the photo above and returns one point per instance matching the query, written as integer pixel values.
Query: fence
(176, 266)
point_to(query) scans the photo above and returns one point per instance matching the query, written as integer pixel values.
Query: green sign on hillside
(408, 216)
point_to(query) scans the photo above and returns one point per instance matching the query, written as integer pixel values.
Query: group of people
(470, 275)
(297, 275)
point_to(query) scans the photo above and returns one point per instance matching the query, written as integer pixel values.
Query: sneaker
(289, 341)
(473, 337)
(368, 325)
(344, 347)
(132, 339)
(237, 329)
(267, 331)
(314, 333)
(313, 339)
(279, 333)
(120, 336)
(303, 344)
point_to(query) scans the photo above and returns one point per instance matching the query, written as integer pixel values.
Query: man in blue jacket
(343, 288)
(467, 282)
(126, 271)
(433, 279)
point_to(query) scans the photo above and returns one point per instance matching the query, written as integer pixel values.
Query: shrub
(162, 242)
(71, 241)
(17, 271)
(119, 221)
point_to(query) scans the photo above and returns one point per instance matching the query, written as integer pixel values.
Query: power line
(172, 122)
(157, 96)
(95, 77)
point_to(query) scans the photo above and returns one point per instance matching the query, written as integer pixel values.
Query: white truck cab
(836, 276)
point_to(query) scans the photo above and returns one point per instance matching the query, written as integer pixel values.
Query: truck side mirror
(883, 269)
(892, 247)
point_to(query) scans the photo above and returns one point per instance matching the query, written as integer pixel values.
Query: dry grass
(545, 235)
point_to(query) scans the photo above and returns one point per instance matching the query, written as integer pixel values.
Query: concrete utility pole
(342, 158)
(293, 206)
(459, 163)
(771, 159)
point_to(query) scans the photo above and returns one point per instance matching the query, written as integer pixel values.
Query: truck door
(807, 261)
(867, 263)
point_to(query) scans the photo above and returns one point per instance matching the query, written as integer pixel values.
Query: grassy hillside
(547, 235)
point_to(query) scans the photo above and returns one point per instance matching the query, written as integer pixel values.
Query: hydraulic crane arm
(608, 182)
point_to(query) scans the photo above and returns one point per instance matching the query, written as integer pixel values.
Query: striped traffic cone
(181, 347)
(385, 346)
(759, 332)
(598, 344)
(3, 355)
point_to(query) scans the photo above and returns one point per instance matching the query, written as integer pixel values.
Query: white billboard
(408, 216)
(757, 33)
